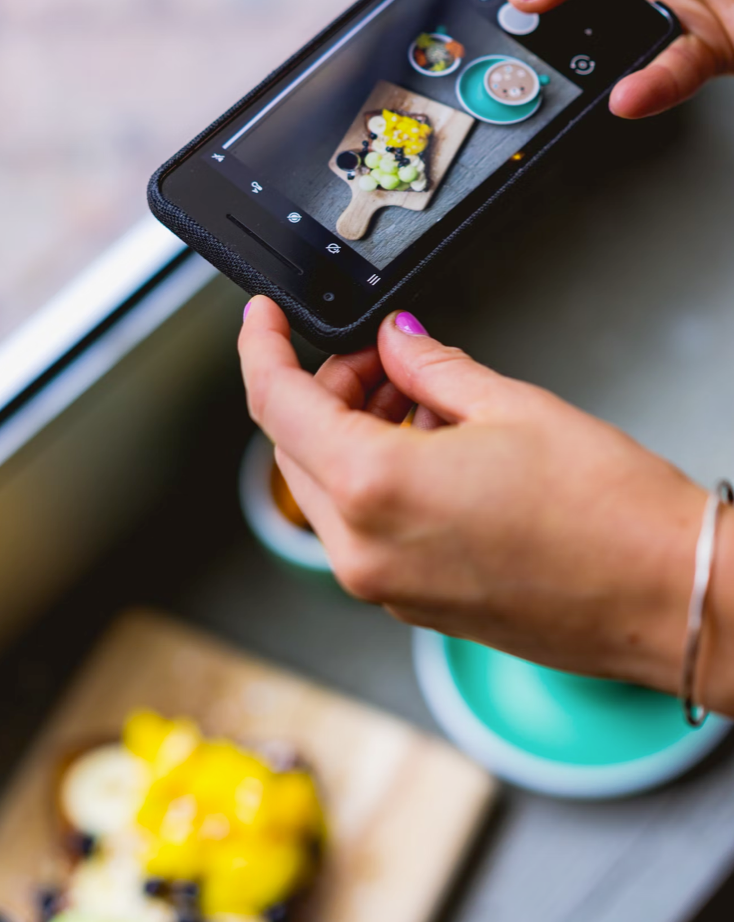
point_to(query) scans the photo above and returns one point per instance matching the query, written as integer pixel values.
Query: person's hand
(504, 515)
(705, 51)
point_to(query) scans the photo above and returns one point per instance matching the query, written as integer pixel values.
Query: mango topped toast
(176, 826)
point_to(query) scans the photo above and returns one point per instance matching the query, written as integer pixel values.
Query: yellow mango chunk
(174, 860)
(246, 878)
(406, 132)
(162, 743)
(294, 807)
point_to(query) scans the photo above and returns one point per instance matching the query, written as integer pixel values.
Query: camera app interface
(396, 124)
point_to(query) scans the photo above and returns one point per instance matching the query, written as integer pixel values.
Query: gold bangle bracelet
(705, 549)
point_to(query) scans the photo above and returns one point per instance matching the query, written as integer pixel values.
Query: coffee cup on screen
(512, 82)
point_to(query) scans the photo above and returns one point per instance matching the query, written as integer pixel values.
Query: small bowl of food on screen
(435, 54)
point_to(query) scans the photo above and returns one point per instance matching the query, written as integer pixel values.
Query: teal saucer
(556, 733)
(474, 97)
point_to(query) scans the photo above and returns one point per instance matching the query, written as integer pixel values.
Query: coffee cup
(512, 82)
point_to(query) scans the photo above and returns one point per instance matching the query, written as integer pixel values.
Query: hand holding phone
(706, 50)
(494, 526)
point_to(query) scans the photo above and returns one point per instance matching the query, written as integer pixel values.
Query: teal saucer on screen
(555, 733)
(474, 97)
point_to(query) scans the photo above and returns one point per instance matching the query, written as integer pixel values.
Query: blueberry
(82, 844)
(350, 176)
(87, 844)
(154, 886)
(365, 143)
(373, 136)
(48, 902)
(185, 891)
(277, 913)
(390, 150)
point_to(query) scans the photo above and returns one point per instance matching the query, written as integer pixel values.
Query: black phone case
(361, 332)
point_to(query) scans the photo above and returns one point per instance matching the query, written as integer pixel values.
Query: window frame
(100, 316)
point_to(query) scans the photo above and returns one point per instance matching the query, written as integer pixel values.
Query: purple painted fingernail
(410, 324)
(247, 308)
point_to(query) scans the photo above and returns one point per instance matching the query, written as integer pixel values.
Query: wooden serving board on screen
(450, 129)
(403, 807)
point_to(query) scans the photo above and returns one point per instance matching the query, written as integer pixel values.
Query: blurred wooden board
(403, 806)
(450, 129)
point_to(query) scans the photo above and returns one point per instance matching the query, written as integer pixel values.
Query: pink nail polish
(410, 324)
(247, 308)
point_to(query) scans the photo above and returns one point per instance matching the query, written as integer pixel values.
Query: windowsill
(78, 309)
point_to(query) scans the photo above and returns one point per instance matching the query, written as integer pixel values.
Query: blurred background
(609, 281)
(95, 96)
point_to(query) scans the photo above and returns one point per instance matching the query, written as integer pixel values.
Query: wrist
(670, 570)
(666, 623)
(715, 676)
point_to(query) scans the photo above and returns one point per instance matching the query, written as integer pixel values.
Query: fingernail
(410, 324)
(247, 309)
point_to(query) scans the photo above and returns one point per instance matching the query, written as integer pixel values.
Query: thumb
(441, 378)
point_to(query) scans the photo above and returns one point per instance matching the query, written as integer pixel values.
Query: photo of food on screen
(406, 121)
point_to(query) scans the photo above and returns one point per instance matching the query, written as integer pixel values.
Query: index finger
(674, 76)
(313, 425)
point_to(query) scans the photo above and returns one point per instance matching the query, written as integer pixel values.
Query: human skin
(503, 515)
(706, 50)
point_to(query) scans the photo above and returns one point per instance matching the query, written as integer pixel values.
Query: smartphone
(338, 185)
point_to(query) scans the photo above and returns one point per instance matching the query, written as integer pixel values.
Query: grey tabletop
(618, 295)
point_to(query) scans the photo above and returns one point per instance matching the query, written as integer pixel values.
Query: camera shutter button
(516, 22)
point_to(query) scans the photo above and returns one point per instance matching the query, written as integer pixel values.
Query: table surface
(612, 285)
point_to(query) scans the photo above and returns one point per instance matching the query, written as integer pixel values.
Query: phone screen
(363, 160)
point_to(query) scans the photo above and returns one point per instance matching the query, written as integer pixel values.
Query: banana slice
(111, 888)
(102, 791)
(377, 125)
(419, 185)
